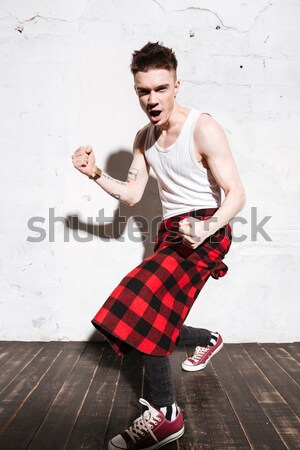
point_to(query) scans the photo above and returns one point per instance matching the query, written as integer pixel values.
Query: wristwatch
(97, 173)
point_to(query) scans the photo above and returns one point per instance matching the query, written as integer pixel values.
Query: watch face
(98, 172)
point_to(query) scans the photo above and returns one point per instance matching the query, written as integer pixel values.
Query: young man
(191, 158)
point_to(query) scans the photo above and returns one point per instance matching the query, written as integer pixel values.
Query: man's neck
(166, 135)
(175, 120)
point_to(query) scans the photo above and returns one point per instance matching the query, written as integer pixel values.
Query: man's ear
(176, 88)
(134, 87)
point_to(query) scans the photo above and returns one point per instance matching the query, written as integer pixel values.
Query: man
(191, 158)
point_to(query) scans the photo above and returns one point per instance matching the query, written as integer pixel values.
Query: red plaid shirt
(147, 309)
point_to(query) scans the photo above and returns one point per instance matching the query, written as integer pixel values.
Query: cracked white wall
(65, 82)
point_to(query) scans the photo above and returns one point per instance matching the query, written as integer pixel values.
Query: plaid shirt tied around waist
(149, 306)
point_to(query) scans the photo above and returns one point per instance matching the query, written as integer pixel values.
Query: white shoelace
(199, 352)
(144, 423)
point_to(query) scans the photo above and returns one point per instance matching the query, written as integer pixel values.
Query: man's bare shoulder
(207, 131)
(205, 120)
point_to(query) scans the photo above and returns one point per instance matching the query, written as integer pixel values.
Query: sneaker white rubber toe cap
(117, 443)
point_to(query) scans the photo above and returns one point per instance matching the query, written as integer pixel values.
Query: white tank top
(184, 185)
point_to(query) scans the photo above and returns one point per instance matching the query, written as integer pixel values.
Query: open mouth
(155, 114)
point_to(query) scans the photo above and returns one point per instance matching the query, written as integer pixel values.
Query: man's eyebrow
(157, 87)
(163, 86)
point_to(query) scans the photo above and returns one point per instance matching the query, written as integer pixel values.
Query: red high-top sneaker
(202, 355)
(149, 431)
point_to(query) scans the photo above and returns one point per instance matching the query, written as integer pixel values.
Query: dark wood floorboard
(19, 359)
(257, 427)
(77, 395)
(222, 424)
(54, 434)
(280, 379)
(7, 350)
(284, 359)
(16, 393)
(293, 349)
(29, 415)
(282, 417)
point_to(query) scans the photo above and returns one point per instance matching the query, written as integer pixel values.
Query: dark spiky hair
(153, 55)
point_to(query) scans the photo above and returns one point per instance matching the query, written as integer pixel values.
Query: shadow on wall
(146, 214)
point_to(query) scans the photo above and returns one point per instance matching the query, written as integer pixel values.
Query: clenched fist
(193, 231)
(84, 160)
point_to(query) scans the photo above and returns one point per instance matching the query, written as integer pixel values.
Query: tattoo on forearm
(133, 173)
(107, 177)
(117, 196)
(119, 182)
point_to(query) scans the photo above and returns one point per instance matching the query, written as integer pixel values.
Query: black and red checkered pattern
(147, 309)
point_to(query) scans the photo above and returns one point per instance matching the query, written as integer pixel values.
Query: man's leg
(194, 336)
(162, 422)
(207, 343)
(162, 390)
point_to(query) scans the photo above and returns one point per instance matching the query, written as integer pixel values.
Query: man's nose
(152, 99)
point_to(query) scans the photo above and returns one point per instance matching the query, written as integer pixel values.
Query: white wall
(65, 81)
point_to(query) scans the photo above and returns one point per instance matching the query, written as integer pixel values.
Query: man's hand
(193, 231)
(84, 160)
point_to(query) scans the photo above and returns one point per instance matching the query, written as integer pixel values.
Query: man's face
(157, 90)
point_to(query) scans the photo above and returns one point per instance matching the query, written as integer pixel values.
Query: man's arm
(130, 191)
(213, 148)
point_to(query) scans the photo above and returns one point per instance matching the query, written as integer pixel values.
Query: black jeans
(158, 369)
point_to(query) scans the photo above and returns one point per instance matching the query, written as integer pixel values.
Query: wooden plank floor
(76, 395)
